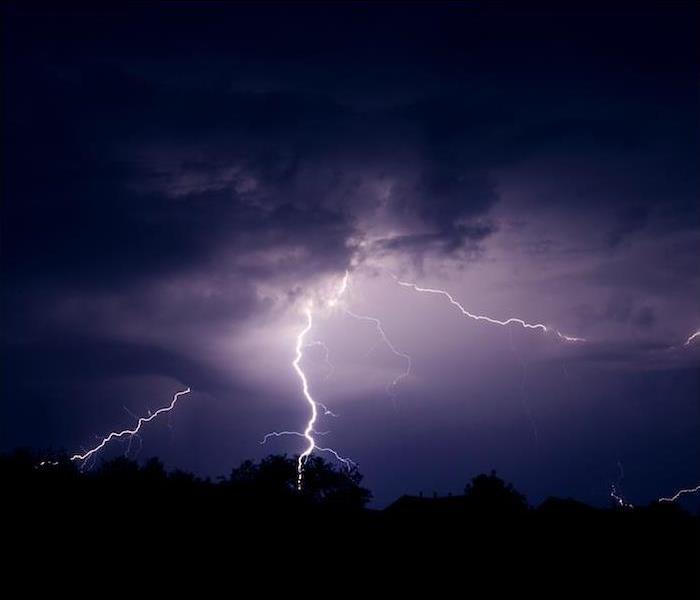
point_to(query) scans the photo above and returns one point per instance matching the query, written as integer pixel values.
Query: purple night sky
(179, 181)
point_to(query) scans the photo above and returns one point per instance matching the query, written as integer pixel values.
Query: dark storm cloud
(166, 209)
(459, 240)
(97, 360)
(90, 113)
(159, 138)
(170, 142)
(147, 204)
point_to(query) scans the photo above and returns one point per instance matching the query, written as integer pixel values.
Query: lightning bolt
(311, 442)
(315, 405)
(327, 412)
(380, 330)
(616, 489)
(691, 338)
(493, 321)
(341, 459)
(680, 493)
(618, 498)
(614, 493)
(126, 432)
(382, 334)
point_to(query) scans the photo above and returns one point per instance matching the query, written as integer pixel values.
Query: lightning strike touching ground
(308, 433)
(680, 493)
(509, 321)
(307, 395)
(126, 432)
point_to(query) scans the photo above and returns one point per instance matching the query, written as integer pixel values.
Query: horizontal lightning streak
(509, 321)
(680, 493)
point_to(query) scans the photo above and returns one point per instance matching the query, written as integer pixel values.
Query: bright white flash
(126, 432)
(504, 323)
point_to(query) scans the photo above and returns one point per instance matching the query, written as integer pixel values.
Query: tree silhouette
(275, 478)
(490, 493)
(334, 488)
(122, 505)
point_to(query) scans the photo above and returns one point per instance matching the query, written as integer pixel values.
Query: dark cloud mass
(176, 177)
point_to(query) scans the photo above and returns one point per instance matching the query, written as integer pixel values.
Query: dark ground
(123, 528)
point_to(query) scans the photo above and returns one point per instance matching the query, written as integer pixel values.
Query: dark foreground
(253, 530)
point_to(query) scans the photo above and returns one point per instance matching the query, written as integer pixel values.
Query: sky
(180, 181)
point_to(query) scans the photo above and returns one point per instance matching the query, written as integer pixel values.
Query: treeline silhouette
(121, 505)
